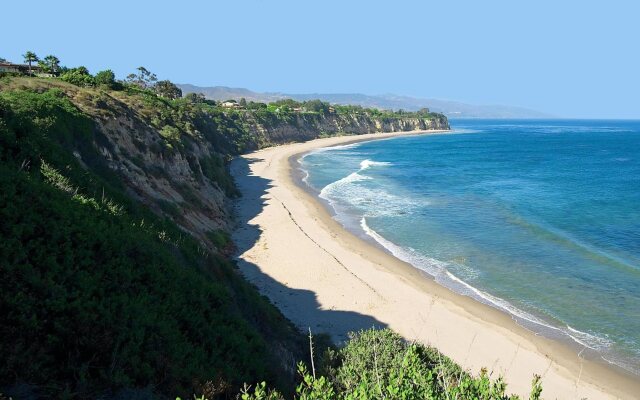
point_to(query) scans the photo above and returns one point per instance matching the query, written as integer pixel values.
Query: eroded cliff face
(174, 178)
(170, 182)
(170, 178)
(311, 126)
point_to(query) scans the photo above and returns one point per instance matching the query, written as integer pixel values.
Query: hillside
(102, 290)
(115, 209)
(114, 254)
(172, 154)
(451, 109)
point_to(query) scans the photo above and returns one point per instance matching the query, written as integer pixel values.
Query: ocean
(538, 218)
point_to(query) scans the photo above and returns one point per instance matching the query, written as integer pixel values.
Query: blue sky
(568, 58)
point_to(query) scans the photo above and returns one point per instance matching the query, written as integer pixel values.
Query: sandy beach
(325, 278)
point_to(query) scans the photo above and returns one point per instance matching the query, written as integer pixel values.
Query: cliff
(304, 127)
(104, 295)
(172, 155)
(100, 296)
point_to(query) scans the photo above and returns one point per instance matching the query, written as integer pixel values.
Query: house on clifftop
(23, 69)
(11, 68)
(231, 104)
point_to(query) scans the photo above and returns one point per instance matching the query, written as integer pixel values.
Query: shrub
(219, 238)
(379, 364)
(214, 168)
(107, 78)
(78, 76)
(170, 133)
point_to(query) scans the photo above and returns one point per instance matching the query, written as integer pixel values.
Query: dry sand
(323, 277)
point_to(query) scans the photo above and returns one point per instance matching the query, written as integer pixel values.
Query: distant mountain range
(451, 109)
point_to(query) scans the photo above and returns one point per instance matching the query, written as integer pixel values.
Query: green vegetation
(323, 108)
(379, 364)
(167, 89)
(214, 168)
(102, 298)
(98, 294)
(50, 64)
(219, 238)
(30, 57)
(144, 79)
(78, 76)
(107, 78)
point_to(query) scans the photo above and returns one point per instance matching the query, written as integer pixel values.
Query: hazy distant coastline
(452, 109)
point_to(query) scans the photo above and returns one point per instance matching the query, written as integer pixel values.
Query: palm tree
(53, 64)
(30, 57)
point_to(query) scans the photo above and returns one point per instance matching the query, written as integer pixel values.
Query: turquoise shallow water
(538, 218)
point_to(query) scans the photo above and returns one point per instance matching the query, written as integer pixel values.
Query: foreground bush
(379, 364)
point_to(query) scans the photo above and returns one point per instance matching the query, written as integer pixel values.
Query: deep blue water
(538, 218)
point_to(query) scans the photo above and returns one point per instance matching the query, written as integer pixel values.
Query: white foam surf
(366, 194)
(331, 148)
(302, 168)
(368, 163)
(359, 191)
(439, 271)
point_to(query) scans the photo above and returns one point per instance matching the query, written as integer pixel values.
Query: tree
(243, 102)
(106, 77)
(3, 59)
(30, 57)
(50, 64)
(81, 70)
(195, 98)
(143, 79)
(317, 106)
(256, 106)
(168, 89)
(147, 76)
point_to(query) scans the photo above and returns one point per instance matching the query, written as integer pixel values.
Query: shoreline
(531, 323)
(349, 276)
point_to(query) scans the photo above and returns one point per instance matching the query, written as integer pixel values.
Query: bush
(78, 76)
(107, 78)
(379, 364)
(214, 168)
(219, 238)
(170, 133)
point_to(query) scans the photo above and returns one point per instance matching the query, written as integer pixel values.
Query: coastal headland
(325, 278)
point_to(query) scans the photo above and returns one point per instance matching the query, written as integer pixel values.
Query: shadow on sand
(291, 302)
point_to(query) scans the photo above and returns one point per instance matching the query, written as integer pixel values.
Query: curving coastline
(421, 190)
(338, 283)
